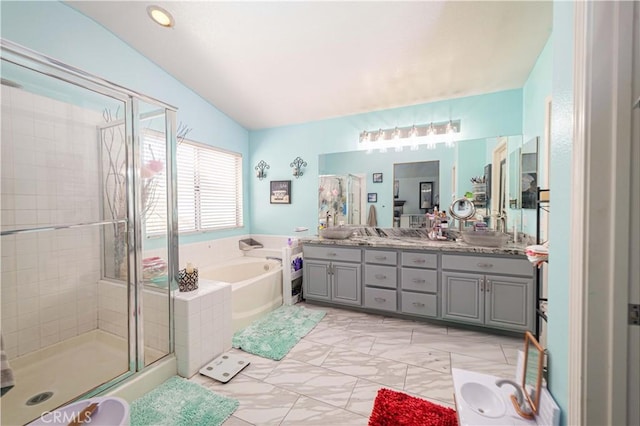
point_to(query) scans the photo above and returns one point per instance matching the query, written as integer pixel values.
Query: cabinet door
(316, 280)
(346, 283)
(509, 302)
(462, 297)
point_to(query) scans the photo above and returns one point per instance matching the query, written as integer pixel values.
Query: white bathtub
(256, 287)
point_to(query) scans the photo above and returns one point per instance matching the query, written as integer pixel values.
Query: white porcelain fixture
(336, 233)
(477, 391)
(111, 411)
(483, 400)
(485, 238)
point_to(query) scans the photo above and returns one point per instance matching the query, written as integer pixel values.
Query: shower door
(72, 230)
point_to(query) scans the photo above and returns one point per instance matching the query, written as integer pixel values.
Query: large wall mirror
(529, 174)
(452, 172)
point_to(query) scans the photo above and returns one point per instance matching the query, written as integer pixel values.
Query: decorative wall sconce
(413, 136)
(260, 169)
(297, 165)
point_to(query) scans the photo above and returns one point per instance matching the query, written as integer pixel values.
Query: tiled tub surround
(113, 317)
(202, 325)
(333, 374)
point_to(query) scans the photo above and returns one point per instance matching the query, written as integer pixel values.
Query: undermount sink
(483, 400)
(485, 238)
(336, 233)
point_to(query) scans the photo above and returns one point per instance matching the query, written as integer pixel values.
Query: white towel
(372, 220)
(6, 373)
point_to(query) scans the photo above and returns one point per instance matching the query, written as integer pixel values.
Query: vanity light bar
(430, 134)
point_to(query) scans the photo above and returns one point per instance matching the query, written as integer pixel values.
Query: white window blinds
(209, 183)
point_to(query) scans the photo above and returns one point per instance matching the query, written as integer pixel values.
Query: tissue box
(188, 281)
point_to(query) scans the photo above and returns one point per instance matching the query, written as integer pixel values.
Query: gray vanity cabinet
(495, 300)
(419, 284)
(345, 283)
(487, 290)
(461, 297)
(332, 274)
(380, 280)
(316, 279)
(508, 302)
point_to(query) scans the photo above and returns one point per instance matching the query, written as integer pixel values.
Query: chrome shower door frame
(34, 61)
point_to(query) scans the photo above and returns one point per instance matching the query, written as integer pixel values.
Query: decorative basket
(188, 281)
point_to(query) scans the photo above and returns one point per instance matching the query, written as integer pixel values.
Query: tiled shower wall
(49, 176)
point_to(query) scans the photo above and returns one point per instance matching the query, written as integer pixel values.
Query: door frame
(601, 167)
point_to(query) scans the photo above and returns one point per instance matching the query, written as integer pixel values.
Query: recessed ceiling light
(160, 16)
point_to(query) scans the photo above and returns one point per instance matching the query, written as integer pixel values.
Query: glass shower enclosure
(85, 286)
(340, 200)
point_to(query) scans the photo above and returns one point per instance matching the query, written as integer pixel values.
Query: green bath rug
(274, 335)
(179, 402)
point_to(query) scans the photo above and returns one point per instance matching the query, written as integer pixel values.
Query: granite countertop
(414, 239)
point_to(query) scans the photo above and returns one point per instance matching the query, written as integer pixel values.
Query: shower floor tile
(65, 369)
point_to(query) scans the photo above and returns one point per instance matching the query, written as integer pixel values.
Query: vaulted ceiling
(268, 64)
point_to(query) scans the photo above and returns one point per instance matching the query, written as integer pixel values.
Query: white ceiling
(268, 64)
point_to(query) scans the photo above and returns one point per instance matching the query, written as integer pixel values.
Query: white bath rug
(225, 367)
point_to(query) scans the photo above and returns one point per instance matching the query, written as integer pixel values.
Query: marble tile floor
(332, 376)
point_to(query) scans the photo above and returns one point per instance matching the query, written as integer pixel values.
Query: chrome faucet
(501, 222)
(522, 404)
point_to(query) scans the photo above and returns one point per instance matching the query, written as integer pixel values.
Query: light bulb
(450, 128)
(396, 134)
(413, 133)
(431, 131)
(160, 16)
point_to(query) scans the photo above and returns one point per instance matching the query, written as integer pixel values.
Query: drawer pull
(380, 299)
(381, 257)
(332, 253)
(488, 286)
(485, 265)
(419, 281)
(418, 304)
(381, 277)
(419, 260)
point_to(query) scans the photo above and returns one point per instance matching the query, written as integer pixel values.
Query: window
(209, 183)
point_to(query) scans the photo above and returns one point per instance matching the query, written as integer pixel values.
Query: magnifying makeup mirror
(532, 371)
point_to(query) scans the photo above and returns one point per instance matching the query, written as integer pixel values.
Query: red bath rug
(393, 408)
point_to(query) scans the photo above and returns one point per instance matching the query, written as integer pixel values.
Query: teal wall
(534, 95)
(59, 31)
(560, 217)
(482, 116)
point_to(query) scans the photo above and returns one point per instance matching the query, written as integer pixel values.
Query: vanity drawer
(380, 276)
(377, 298)
(381, 257)
(420, 260)
(424, 280)
(333, 253)
(493, 265)
(420, 304)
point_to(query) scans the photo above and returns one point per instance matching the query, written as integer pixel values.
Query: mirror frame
(529, 341)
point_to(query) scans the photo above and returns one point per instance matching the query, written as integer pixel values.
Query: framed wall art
(280, 192)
